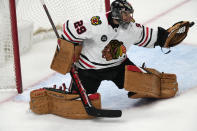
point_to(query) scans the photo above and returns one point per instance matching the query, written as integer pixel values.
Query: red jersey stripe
(86, 63)
(64, 29)
(147, 34)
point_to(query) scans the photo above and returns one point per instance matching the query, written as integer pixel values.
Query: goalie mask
(118, 7)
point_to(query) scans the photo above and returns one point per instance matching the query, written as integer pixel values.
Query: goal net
(33, 26)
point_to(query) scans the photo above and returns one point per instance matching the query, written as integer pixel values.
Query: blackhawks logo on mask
(95, 20)
(113, 50)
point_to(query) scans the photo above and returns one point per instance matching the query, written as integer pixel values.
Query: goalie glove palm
(177, 33)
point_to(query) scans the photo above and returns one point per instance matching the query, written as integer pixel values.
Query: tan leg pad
(150, 85)
(169, 85)
(49, 102)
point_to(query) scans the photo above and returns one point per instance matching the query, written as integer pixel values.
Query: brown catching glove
(177, 33)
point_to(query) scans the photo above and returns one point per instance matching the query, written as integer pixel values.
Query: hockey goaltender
(93, 50)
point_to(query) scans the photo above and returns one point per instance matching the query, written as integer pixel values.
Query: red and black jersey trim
(143, 33)
(86, 63)
(94, 63)
(149, 38)
(69, 35)
(81, 64)
(67, 24)
(146, 37)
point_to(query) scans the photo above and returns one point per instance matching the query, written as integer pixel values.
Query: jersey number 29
(79, 27)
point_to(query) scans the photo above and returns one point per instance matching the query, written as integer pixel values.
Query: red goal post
(10, 70)
(14, 31)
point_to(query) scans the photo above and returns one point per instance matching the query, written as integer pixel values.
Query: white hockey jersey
(95, 33)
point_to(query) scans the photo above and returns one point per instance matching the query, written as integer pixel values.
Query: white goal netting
(60, 11)
(33, 26)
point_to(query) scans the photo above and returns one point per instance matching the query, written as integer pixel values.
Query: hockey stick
(90, 109)
(49, 17)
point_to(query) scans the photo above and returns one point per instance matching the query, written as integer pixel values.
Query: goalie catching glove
(177, 33)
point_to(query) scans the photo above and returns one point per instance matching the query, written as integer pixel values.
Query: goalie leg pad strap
(66, 105)
(150, 85)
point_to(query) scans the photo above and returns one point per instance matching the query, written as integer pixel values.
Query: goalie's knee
(152, 84)
(44, 101)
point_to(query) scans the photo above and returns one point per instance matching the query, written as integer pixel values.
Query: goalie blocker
(151, 84)
(66, 53)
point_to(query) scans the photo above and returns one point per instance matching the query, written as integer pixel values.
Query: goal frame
(15, 41)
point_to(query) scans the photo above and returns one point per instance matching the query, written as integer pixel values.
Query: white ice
(175, 114)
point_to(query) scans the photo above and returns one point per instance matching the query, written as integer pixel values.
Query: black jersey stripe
(84, 57)
(81, 65)
(67, 24)
(149, 38)
(68, 35)
(63, 37)
(142, 37)
(76, 43)
(99, 64)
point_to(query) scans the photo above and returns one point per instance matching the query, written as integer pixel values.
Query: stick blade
(103, 113)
